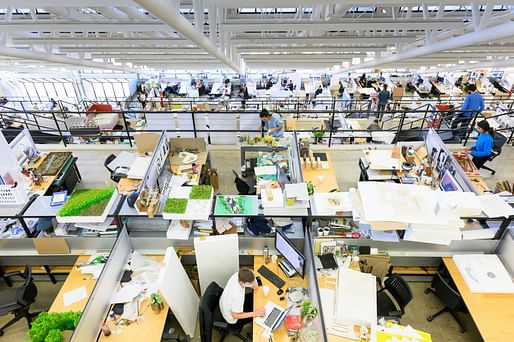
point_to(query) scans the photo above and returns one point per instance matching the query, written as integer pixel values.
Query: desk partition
(98, 305)
(505, 251)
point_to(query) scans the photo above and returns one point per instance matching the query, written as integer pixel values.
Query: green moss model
(86, 202)
(200, 192)
(175, 206)
(47, 326)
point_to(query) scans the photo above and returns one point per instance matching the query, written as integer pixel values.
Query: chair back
(26, 294)
(399, 289)
(446, 293)
(242, 187)
(498, 141)
(208, 305)
(108, 160)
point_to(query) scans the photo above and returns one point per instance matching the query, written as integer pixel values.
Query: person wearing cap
(273, 123)
(484, 145)
(473, 104)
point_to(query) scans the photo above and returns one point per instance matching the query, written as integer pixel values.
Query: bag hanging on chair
(213, 178)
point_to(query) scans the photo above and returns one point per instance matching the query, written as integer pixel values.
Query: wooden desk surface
(259, 300)
(74, 280)
(148, 329)
(493, 313)
(329, 178)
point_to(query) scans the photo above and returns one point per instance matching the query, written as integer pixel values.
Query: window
(115, 89)
(43, 89)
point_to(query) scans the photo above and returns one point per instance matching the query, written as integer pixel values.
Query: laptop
(274, 317)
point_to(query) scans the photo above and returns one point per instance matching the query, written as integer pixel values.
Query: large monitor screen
(449, 183)
(285, 247)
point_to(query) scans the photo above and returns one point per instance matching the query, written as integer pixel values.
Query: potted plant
(307, 314)
(156, 303)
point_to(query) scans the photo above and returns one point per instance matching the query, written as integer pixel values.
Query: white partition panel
(217, 258)
(179, 293)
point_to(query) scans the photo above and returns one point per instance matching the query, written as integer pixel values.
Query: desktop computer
(294, 261)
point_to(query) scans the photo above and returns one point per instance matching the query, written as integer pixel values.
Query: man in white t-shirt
(235, 306)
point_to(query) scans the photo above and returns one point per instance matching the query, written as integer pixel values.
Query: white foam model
(217, 258)
(178, 292)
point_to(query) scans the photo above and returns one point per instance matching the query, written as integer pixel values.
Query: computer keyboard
(272, 317)
(272, 277)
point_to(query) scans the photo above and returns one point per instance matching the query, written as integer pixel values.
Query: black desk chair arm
(396, 313)
(13, 274)
(220, 325)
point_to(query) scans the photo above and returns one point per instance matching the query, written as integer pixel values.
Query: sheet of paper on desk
(138, 168)
(388, 236)
(94, 270)
(479, 234)
(465, 203)
(484, 273)
(495, 206)
(382, 160)
(177, 181)
(297, 191)
(180, 192)
(127, 293)
(74, 296)
(433, 236)
(327, 302)
(276, 202)
(265, 170)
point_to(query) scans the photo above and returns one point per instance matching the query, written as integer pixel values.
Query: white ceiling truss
(137, 35)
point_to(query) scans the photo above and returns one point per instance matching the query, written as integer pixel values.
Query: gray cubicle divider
(505, 251)
(156, 164)
(310, 268)
(98, 305)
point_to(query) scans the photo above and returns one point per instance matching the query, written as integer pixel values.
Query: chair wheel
(430, 318)
(493, 172)
(463, 330)
(1, 333)
(427, 291)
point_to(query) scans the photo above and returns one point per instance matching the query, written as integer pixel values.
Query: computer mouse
(280, 291)
(282, 298)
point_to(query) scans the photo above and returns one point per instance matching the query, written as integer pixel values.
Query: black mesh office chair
(211, 318)
(445, 290)
(398, 288)
(243, 187)
(17, 300)
(499, 140)
(114, 175)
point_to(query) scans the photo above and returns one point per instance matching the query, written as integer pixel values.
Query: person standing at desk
(484, 146)
(473, 105)
(273, 123)
(383, 99)
(236, 306)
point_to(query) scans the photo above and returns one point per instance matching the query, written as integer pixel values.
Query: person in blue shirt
(484, 145)
(273, 123)
(383, 99)
(473, 104)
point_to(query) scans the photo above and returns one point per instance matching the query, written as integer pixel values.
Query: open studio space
(207, 171)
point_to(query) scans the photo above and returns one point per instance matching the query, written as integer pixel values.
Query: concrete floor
(443, 328)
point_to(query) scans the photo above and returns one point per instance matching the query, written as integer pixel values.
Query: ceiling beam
(242, 25)
(156, 57)
(171, 16)
(64, 3)
(479, 37)
(130, 50)
(310, 41)
(296, 3)
(87, 41)
(325, 49)
(43, 57)
(63, 26)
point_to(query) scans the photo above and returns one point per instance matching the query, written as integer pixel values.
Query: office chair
(400, 291)
(17, 300)
(364, 174)
(499, 140)
(243, 187)
(210, 316)
(444, 290)
(114, 176)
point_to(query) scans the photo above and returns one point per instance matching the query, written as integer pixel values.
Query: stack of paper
(495, 206)
(299, 193)
(484, 273)
(179, 230)
(272, 198)
(330, 203)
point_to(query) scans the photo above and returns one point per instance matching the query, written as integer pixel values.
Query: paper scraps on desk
(177, 181)
(94, 270)
(395, 332)
(265, 170)
(126, 294)
(495, 206)
(74, 296)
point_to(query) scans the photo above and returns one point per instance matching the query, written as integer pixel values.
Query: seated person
(484, 145)
(237, 307)
(273, 123)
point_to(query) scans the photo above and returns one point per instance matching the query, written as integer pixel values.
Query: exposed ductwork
(478, 37)
(175, 20)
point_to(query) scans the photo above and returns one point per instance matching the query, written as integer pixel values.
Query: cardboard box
(180, 144)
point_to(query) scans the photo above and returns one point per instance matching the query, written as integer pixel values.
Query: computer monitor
(289, 251)
(449, 183)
